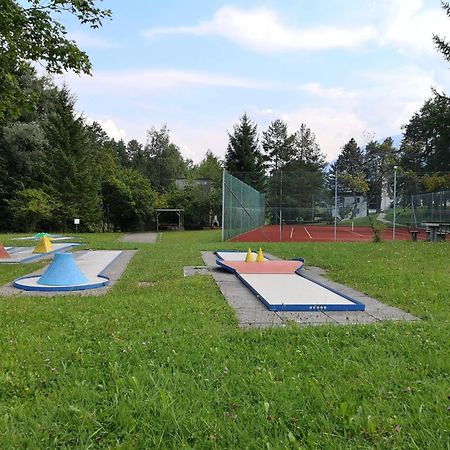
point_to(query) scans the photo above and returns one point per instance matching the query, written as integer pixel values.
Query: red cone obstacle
(3, 252)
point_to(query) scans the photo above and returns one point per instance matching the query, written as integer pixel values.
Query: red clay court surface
(319, 233)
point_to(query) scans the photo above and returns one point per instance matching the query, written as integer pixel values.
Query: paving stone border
(253, 314)
(114, 272)
(189, 271)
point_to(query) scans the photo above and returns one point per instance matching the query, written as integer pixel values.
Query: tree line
(422, 162)
(55, 166)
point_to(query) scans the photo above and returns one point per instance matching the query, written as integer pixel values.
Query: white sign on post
(76, 221)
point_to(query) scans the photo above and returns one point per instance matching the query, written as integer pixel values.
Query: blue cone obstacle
(63, 271)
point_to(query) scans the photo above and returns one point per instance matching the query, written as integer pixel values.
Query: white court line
(292, 232)
(357, 234)
(307, 232)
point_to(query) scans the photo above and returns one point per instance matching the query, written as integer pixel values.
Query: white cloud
(109, 127)
(195, 141)
(409, 26)
(157, 79)
(333, 113)
(318, 90)
(333, 128)
(262, 30)
(394, 96)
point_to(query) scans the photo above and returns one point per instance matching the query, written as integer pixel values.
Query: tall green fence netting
(431, 207)
(243, 207)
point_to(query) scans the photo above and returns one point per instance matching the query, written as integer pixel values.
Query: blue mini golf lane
(283, 287)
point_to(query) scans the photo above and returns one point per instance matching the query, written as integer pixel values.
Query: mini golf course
(162, 360)
(281, 286)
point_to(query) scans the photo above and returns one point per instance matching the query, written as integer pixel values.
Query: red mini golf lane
(281, 286)
(319, 233)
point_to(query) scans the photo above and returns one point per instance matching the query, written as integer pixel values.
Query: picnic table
(436, 231)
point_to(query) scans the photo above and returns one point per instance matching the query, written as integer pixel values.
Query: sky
(353, 68)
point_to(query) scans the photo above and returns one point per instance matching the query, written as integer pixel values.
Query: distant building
(181, 183)
(386, 200)
(345, 205)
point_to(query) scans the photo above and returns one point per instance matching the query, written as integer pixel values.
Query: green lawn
(165, 364)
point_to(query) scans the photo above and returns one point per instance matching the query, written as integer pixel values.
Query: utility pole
(335, 203)
(281, 202)
(395, 201)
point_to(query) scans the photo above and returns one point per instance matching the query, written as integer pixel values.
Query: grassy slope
(166, 365)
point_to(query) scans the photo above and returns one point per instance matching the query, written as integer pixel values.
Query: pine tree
(351, 178)
(442, 45)
(120, 150)
(243, 158)
(304, 178)
(71, 175)
(306, 148)
(350, 160)
(277, 145)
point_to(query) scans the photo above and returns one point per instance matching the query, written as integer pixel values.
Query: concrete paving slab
(190, 271)
(390, 313)
(350, 317)
(259, 325)
(305, 317)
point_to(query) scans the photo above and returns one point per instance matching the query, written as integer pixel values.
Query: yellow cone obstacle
(249, 257)
(260, 257)
(44, 246)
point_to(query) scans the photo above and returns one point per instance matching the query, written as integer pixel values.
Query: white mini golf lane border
(229, 255)
(25, 254)
(52, 237)
(92, 264)
(291, 292)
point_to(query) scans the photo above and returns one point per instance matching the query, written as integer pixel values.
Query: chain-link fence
(303, 197)
(432, 207)
(243, 207)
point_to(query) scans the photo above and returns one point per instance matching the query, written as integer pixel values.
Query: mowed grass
(160, 361)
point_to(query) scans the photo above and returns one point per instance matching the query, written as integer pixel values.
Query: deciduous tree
(29, 31)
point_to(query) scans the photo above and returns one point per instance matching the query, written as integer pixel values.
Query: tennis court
(320, 233)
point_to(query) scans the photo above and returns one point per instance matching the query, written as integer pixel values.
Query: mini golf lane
(281, 286)
(25, 254)
(91, 263)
